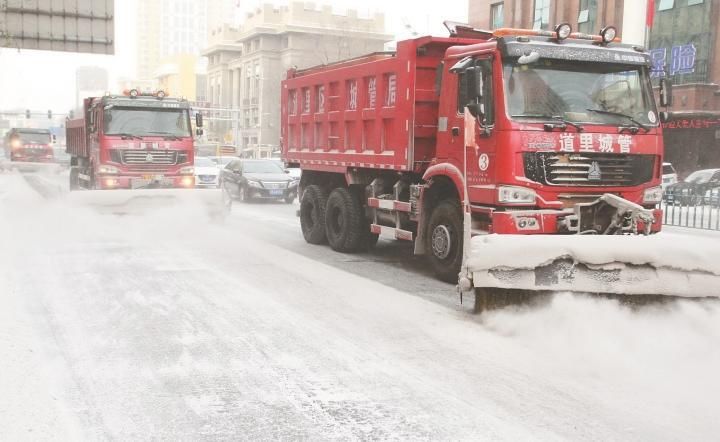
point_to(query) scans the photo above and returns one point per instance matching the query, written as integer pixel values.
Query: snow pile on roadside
(531, 251)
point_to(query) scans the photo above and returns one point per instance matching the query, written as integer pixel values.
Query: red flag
(650, 13)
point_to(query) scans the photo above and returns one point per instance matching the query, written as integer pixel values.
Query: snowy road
(167, 327)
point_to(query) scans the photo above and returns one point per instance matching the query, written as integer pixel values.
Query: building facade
(584, 15)
(168, 29)
(247, 64)
(684, 44)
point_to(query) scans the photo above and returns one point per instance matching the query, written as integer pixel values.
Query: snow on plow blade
(656, 265)
(145, 201)
(26, 166)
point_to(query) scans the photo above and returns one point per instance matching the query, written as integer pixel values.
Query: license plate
(153, 177)
(276, 192)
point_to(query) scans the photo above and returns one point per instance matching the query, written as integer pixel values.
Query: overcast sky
(40, 80)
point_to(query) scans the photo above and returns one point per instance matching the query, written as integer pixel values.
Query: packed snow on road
(166, 325)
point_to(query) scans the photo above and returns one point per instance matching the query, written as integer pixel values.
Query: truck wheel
(344, 221)
(312, 214)
(74, 184)
(445, 240)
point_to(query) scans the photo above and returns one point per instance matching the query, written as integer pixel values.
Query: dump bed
(379, 111)
(76, 139)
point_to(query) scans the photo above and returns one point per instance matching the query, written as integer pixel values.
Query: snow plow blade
(25, 166)
(507, 269)
(147, 201)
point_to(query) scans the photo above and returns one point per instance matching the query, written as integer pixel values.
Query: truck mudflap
(506, 269)
(212, 202)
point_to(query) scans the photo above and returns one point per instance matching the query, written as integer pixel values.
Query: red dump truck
(516, 131)
(132, 141)
(29, 145)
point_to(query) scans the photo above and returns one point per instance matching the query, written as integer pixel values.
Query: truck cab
(132, 141)
(29, 145)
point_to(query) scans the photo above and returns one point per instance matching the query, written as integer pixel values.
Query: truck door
(471, 86)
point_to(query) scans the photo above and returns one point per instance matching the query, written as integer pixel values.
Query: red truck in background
(132, 141)
(562, 137)
(29, 145)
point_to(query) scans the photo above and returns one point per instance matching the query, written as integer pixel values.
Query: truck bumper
(148, 182)
(547, 222)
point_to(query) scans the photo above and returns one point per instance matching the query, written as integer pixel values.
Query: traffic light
(49, 115)
(27, 114)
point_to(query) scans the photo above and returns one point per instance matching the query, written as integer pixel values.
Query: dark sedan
(246, 179)
(697, 189)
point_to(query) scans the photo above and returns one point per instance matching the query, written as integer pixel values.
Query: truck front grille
(149, 157)
(588, 169)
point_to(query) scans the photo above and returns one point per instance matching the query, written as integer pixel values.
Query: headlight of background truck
(187, 170)
(110, 170)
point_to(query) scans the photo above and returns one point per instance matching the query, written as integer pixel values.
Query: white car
(669, 176)
(206, 172)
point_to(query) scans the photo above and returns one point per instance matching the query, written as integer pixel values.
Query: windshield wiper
(166, 135)
(620, 114)
(565, 122)
(125, 136)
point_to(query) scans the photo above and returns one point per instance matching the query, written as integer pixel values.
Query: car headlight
(105, 169)
(516, 195)
(187, 170)
(294, 183)
(254, 184)
(653, 195)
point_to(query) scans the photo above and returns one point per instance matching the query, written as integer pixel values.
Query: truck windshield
(591, 93)
(147, 122)
(34, 137)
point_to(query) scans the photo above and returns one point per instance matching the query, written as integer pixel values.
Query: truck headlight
(516, 195)
(254, 184)
(187, 170)
(653, 195)
(110, 170)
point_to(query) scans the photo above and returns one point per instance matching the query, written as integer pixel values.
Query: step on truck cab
(531, 132)
(132, 141)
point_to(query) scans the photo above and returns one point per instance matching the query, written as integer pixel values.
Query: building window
(664, 5)
(542, 14)
(694, 2)
(587, 16)
(496, 15)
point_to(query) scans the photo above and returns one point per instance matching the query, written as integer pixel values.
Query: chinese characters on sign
(603, 143)
(696, 123)
(682, 61)
(352, 95)
(372, 92)
(390, 97)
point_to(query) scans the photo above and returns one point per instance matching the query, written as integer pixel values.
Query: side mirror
(666, 95)
(287, 170)
(474, 83)
(54, 138)
(198, 120)
(664, 117)
(91, 129)
(199, 132)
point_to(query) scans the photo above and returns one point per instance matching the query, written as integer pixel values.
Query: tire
(344, 221)
(242, 195)
(312, 214)
(445, 240)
